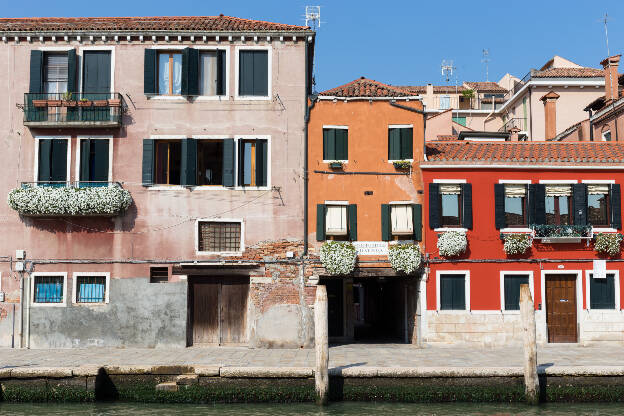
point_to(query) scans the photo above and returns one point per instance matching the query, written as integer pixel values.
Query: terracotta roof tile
(525, 153)
(219, 23)
(446, 137)
(437, 89)
(363, 87)
(569, 73)
(486, 87)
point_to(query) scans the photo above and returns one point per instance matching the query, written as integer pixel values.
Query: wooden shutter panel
(342, 144)
(45, 152)
(459, 293)
(466, 189)
(320, 222)
(149, 73)
(385, 222)
(58, 170)
(100, 161)
(190, 72)
(260, 73)
(394, 144)
(434, 206)
(148, 162)
(499, 206)
(36, 71)
(85, 155)
(221, 72)
(72, 73)
(329, 144)
(616, 210)
(245, 73)
(602, 293)
(352, 218)
(417, 221)
(406, 143)
(188, 168)
(228, 162)
(539, 203)
(262, 157)
(579, 205)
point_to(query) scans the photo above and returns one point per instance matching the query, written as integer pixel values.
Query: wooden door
(561, 307)
(234, 312)
(206, 313)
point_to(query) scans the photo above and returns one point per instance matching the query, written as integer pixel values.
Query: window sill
(48, 305)
(211, 98)
(344, 162)
(219, 253)
(603, 230)
(166, 187)
(252, 98)
(516, 230)
(167, 97)
(452, 312)
(401, 160)
(445, 229)
(96, 304)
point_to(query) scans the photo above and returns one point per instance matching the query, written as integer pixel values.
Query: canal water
(343, 408)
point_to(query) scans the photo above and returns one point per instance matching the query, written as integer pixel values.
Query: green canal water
(344, 408)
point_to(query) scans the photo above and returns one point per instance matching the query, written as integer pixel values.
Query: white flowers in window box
(608, 243)
(338, 257)
(404, 257)
(516, 243)
(452, 243)
(43, 201)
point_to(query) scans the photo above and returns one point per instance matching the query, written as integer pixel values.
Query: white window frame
(504, 273)
(161, 48)
(110, 154)
(579, 297)
(36, 164)
(602, 135)
(268, 97)
(450, 181)
(61, 304)
(616, 288)
(402, 126)
(164, 187)
(339, 203)
(222, 253)
(89, 274)
(80, 63)
(512, 230)
(339, 128)
(226, 96)
(466, 274)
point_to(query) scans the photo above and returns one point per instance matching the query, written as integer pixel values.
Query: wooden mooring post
(321, 344)
(527, 313)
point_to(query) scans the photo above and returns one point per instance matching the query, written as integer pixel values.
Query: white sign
(371, 248)
(600, 269)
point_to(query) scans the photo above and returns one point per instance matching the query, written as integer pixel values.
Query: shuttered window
(219, 236)
(558, 204)
(452, 292)
(55, 72)
(515, 205)
(94, 161)
(400, 143)
(252, 162)
(335, 144)
(602, 292)
(511, 289)
(598, 204)
(168, 159)
(210, 162)
(336, 220)
(451, 205)
(253, 73)
(401, 220)
(52, 161)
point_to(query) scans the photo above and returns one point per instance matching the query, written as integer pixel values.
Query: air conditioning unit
(20, 254)
(19, 266)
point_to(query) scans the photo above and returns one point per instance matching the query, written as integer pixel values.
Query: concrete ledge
(266, 372)
(128, 369)
(581, 370)
(86, 371)
(425, 372)
(5, 372)
(41, 372)
(207, 371)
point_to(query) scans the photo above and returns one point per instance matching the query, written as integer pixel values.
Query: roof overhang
(336, 98)
(527, 165)
(607, 109)
(483, 136)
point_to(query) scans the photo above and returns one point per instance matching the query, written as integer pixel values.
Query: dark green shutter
(228, 162)
(406, 143)
(72, 74)
(499, 206)
(58, 171)
(100, 160)
(188, 168)
(539, 203)
(241, 163)
(85, 159)
(417, 221)
(329, 144)
(342, 144)
(579, 203)
(190, 72)
(385, 222)
(148, 161)
(260, 73)
(45, 156)
(435, 219)
(602, 293)
(262, 147)
(352, 218)
(36, 71)
(245, 73)
(150, 75)
(320, 222)
(466, 190)
(452, 292)
(221, 72)
(394, 144)
(512, 291)
(616, 210)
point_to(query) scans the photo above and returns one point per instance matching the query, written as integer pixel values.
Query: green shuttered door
(602, 293)
(512, 291)
(452, 292)
(320, 222)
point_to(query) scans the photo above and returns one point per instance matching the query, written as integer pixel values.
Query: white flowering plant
(404, 258)
(516, 243)
(452, 243)
(608, 243)
(69, 201)
(338, 257)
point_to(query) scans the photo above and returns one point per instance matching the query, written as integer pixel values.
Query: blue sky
(403, 41)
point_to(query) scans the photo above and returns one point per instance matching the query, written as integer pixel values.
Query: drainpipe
(21, 332)
(415, 110)
(591, 126)
(308, 108)
(530, 116)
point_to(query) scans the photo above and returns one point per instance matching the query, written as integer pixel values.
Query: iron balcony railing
(520, 123)
(71, 184)
(518, 85)
(73, 109)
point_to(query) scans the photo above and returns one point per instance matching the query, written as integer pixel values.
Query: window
(212, 72)
(52, 161)
(606, 136)
(253, 73)
(336, 220)
(252, 162)
(400, 143)
(90, 289)
(515, 205)
(445, 102)
(219, 236)
(94, 161)
(511, 290)
(167, 162)
(558, 204)
(602, 292)
(170, 73)
(452, 291)
(210, 162)
(48, 289)
(460, 120)
(55, 73)
(450, 201)
(159, 274)
(598, 204)
(401, 217)
(335, 144)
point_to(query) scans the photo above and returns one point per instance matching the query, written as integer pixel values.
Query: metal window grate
(48, 289)
(159, 274)
(219, 236)
(90, 289)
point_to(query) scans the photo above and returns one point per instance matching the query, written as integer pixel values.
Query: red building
(560, 200)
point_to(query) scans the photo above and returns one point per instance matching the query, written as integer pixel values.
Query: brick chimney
(610, 66)
(550, 114)
(513, 134)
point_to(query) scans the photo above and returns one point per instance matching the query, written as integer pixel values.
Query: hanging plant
(402, 164)
(338, 257)
(608, 243)
(404, 257)
(517, 243)
(452, 243)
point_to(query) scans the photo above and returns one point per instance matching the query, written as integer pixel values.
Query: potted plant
(516, 243)
(338, 257)
(402, 164)
(608, 243)
(68, 100)
(404, 258)
(84, 102)
(452, 243)
(335, 164)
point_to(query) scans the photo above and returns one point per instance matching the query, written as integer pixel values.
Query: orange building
(365, 145)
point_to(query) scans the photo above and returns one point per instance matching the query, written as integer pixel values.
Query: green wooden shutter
(190, 72)
(72, 85)
(262, 147)
(228, 162)
(385, 222)
(150, 75)
(85, 159)
(260, 73)
(602, 293)
(616, 208)
(329, 144)
(240, 165)
(452, 292)
(342, 144)
(148, 162)
(100, 160)
(352, 218)
(459, 293)
(188, 168)
(45, 156)
(499, 206)
(36, 71)
(394, 144)
(58, 169)
(320, 222)
(435, 213)
(540, 203)
(245, 73)
(417, 221)
(406, 143)
(579, 203)
(221, 72)
(466, 190)
(512, 291)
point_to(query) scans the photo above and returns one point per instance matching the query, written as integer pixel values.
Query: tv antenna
(486, 60)
(605, 20)
(447, 69)
(313, 17)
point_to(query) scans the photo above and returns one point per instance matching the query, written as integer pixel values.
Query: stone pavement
(340, 356)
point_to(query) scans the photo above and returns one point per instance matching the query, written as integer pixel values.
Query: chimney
(550, 114)
(610, 66)
(429, 89)
(513, 136)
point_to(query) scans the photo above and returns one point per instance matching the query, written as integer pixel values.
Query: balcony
(77, 110)
(551, 234)
(519, 123)
(70, 199)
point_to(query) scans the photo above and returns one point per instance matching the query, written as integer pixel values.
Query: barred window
(48, 289)
(90, 289)
(219, 236)
(159, 274)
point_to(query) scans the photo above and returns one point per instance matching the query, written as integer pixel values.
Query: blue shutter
(320, 222)
(221, 72)
(262, 147)
(190, 72)
(602, 293)
(616, 214)
(36, 71)
(394, 144)
(342, 144)
(352, 218)
(45, 152)
(72, 85)
(329, 144)
(189, 162)
(579, 203)
(417, 221)
(406, 143)
(385, 222)
(260, 73)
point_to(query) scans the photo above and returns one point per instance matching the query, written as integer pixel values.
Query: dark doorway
(335, 306)
(561, 307)
(379, 310)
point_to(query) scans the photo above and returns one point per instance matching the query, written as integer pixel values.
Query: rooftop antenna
(486, 60)
(605, 20)
(447, 69)
(313, 17)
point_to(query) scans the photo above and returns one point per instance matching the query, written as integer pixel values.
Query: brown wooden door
(234, 312)
(561, 307)
(206, 313)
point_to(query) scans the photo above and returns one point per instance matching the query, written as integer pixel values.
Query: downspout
(415, 110)
(591, 126)
(308, 108)
(530, 116)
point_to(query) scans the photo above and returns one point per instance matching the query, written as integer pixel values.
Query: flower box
(404, 258)
(40, 103)
(84, 103)
(100, 103)
(609, 244)
(69, 103)
(516, 243)
(335, 165)
(561, 234)
(338, 257)
(402, 164)
(452, 243)
(116, 102)
(54, 103)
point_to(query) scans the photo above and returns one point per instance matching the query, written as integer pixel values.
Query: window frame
(75, 277)
(525, 208)
(504, 273)
(36, 152)
(171, 52)
(401, 126)
(222, 253)
(344, 204)
(166, 185)
(466, 274)
(80, 54)
(604, 133)
(337, 127)
(616, 289)
(269, 96)
(607, 228)
(33, 277)
(444, 228)
(570, 199)
(460, 200)
(226, 95)
(110, 154)
(397, 237)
